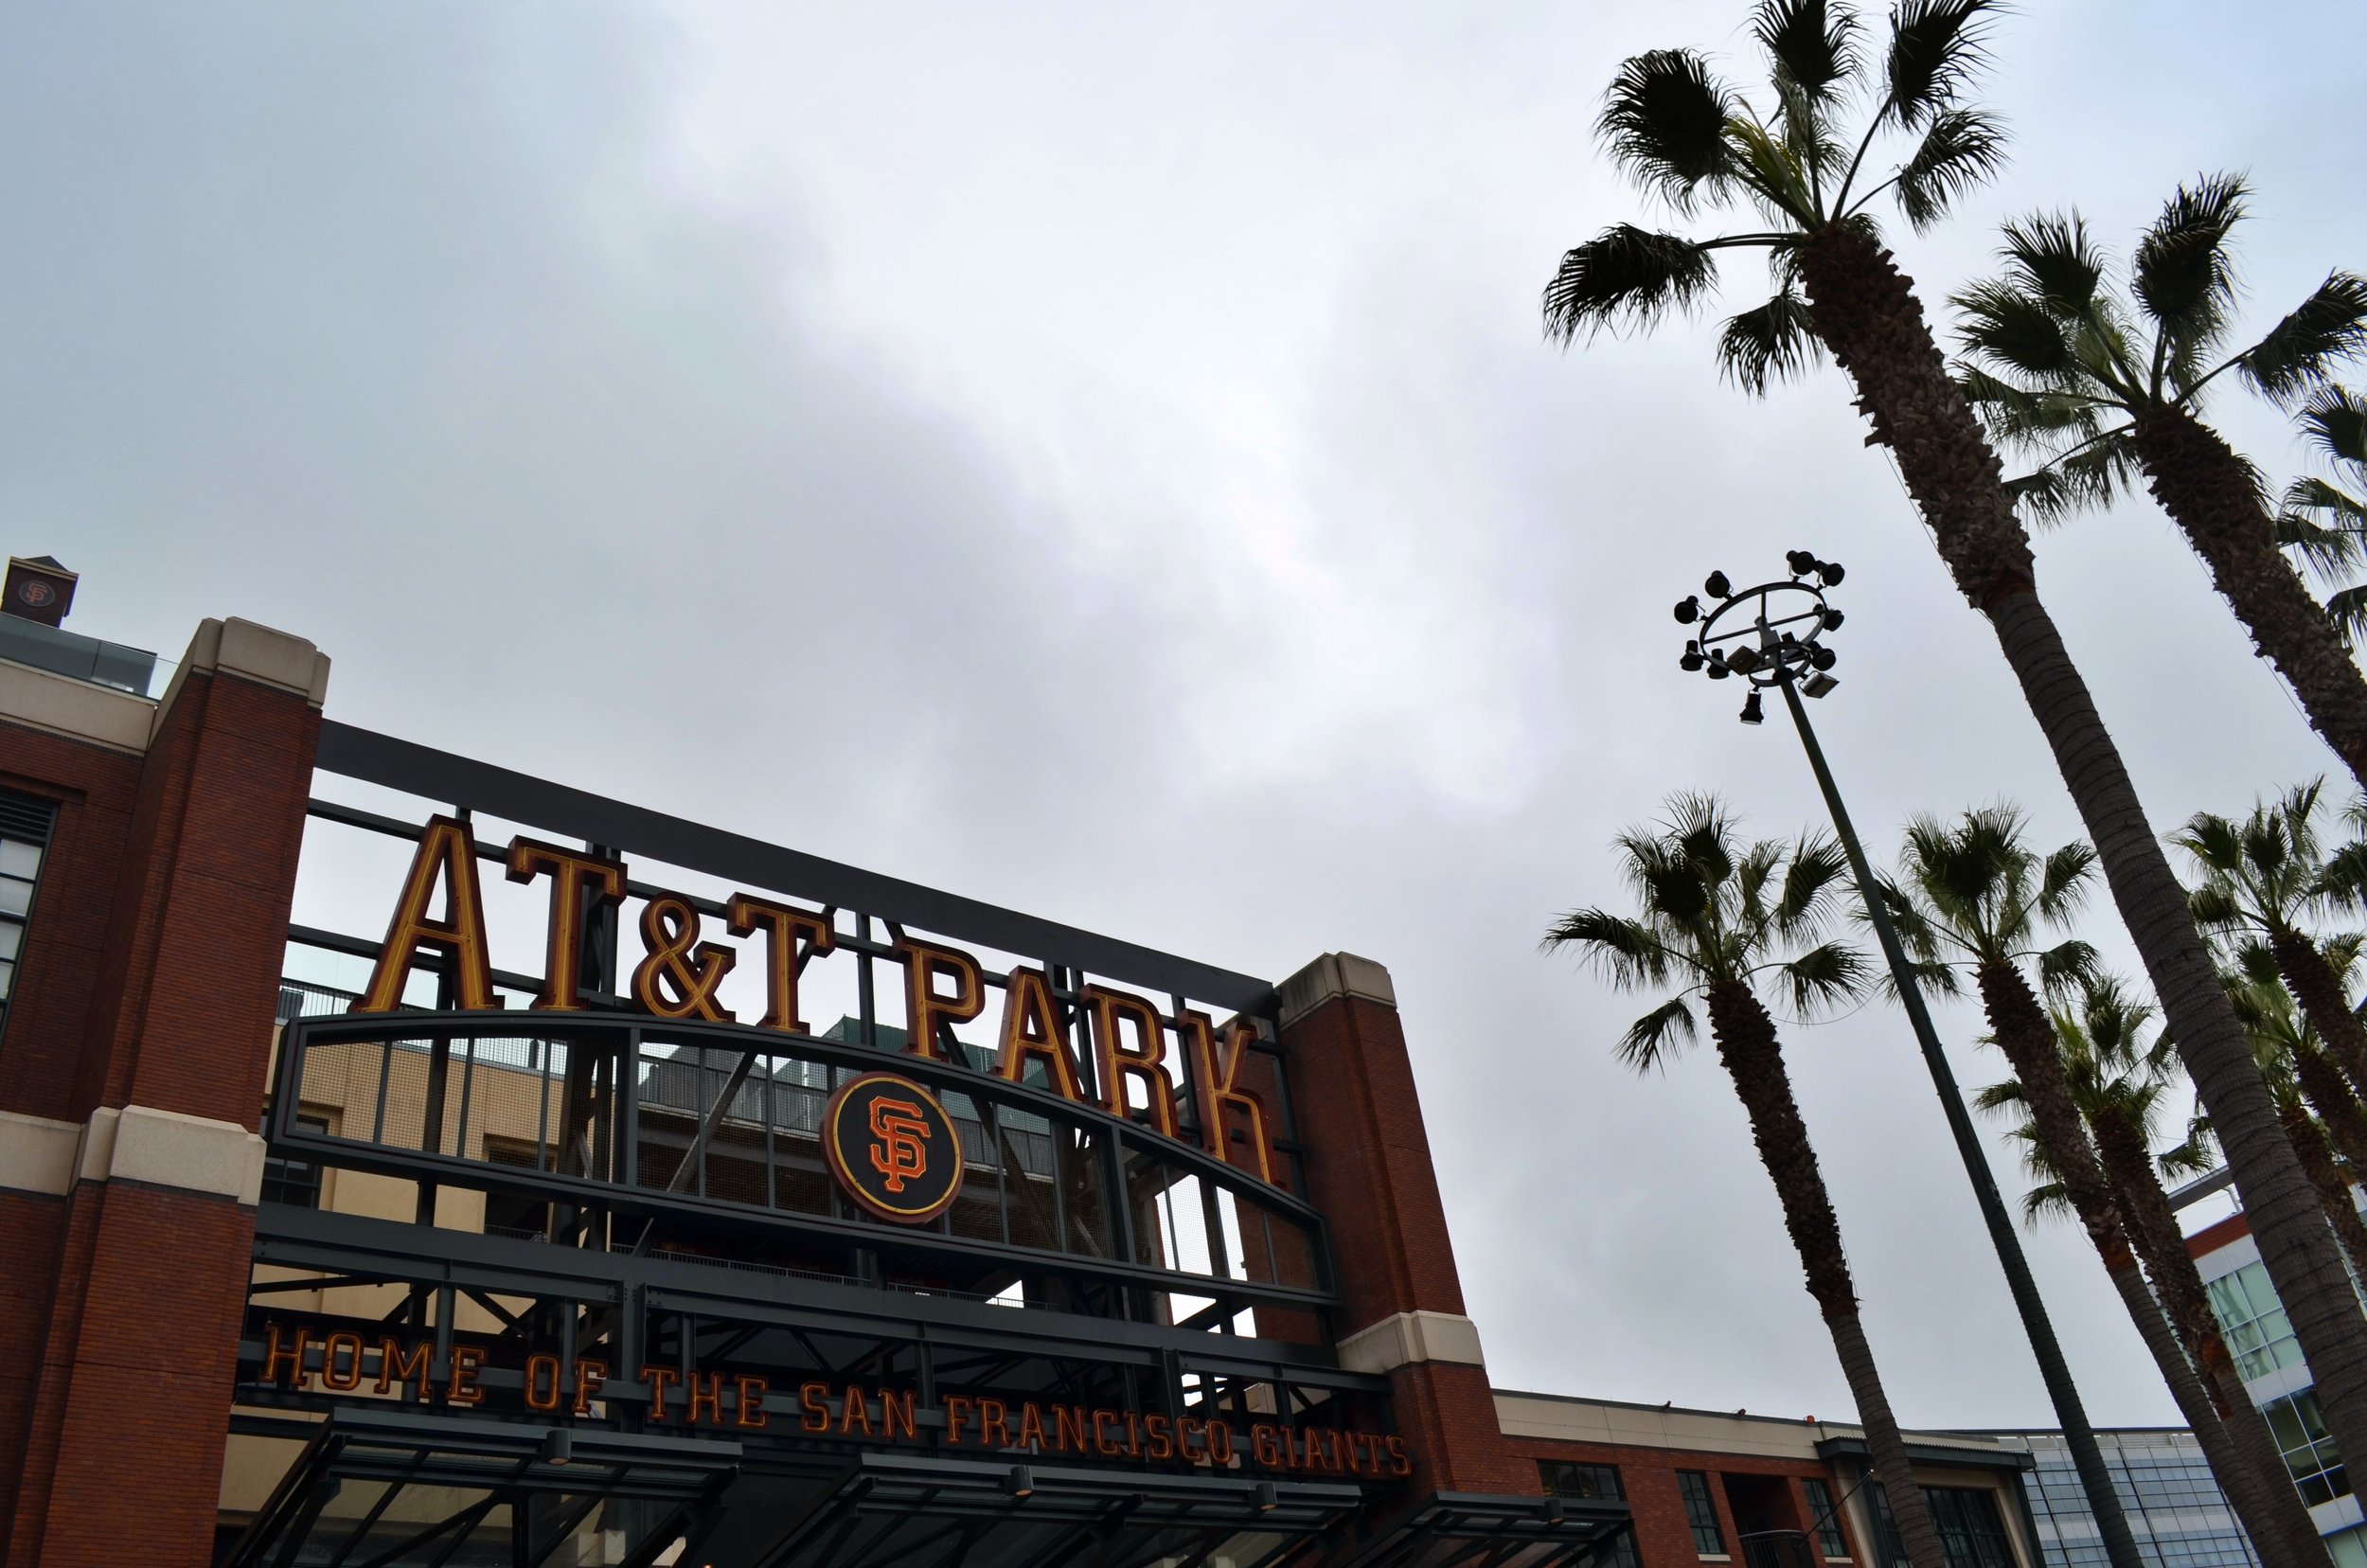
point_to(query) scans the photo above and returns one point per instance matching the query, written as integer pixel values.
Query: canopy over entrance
(383, 1489)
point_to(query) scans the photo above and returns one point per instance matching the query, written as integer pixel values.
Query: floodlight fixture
(1715, 585)
(1751, 712)
(1688, 610)
(1817, 684)
(1021, 1482)
(1745, 659)
(1831, 572)
(1801, 561)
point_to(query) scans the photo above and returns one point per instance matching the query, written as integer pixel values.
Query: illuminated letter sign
(892, 1147)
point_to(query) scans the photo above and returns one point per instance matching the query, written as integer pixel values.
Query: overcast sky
(1102, 459)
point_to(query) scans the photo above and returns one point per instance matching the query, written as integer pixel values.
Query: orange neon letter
(447, 854)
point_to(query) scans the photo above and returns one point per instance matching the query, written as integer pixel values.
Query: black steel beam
(446, 777)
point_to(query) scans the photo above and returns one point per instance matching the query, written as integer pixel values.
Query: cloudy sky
(1102, 459)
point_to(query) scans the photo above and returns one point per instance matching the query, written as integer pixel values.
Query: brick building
(547, 1227)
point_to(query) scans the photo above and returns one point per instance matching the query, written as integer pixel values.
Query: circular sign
(892, 1147)
(36, 593)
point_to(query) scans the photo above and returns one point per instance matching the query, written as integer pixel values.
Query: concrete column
(1368, 1169)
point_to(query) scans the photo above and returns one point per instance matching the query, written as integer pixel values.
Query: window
(24, 839)
(513, 1214)
(1563, 1479)
(1567, 1480)
(1971, 1531)
(294, 1181)
(2300, 1429)
(2253, 1321)
(1702, 1513)
(1824, 1516)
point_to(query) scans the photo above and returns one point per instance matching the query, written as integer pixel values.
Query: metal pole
(2111, 1523)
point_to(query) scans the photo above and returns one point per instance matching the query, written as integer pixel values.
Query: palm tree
(2270, 874)
(1695, 142)
(1972, 897)
(1716, 920)
(2321, 520)
(2103, 388)
(2284, 1043)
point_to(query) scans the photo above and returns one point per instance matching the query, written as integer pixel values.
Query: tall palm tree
(1973, 901)
(2271, 875)
(2285, 1042)
(1695, 142)
(2104, 388)
(1716, 920)
(2325, 520)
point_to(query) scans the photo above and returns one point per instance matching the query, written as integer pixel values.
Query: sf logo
(901, 1148)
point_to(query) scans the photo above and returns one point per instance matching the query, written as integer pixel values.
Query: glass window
(2253, 1321)
(1568, 1480)
(1971, 1531)
(1824, 1515)
(1701, 1514)
(1564, 1479)
(2300, 1434)
(294, 1181)
(24, 825)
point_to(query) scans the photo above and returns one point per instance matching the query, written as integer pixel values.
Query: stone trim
(1334, 975)
(166, 1148)
(37, 1154)
(241, 647)
(1404, 1338)
(78, 710)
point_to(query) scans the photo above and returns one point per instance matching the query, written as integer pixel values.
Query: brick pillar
(1368, 1169)
(123, 1448)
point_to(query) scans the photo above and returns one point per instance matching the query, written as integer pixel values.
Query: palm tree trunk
(2260, 1503)
(2317, 991)
(2209, 493)
(1753, 1060)
(2337, 1107)
(2334, 1192)
(1865, 312)
(2252, 1474)
(2153, 1228)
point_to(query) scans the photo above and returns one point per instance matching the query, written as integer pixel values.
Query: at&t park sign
(881, 1158)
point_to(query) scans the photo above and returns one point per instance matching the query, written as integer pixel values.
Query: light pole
(1771, 636)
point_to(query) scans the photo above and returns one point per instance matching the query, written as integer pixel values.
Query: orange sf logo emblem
(902, 1150)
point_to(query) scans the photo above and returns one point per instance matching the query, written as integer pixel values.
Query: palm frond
(1961, 150)
(1812, 874)
(2012, 329)
(2064, 881)
(2050, 256)
(1663, 121)
(2336, 422)
(1626, 953)
(1825, 974)
(2000, 1097)
(2183, 272)
(1937, 47)
(2067, 966)
(1776, 342)
(1626, 275)
(2329, 548)
(1651, 1038)
(2298, 353)
(2348, 611)
(2088, 479)
(1813, 46)
(2024, 419)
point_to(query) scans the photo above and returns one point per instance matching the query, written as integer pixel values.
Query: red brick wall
(151, 979)
(50, 1012)
(1648, 1475)
(1368, 1168)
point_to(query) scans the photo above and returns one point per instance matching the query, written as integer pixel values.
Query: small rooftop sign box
(38, 590)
